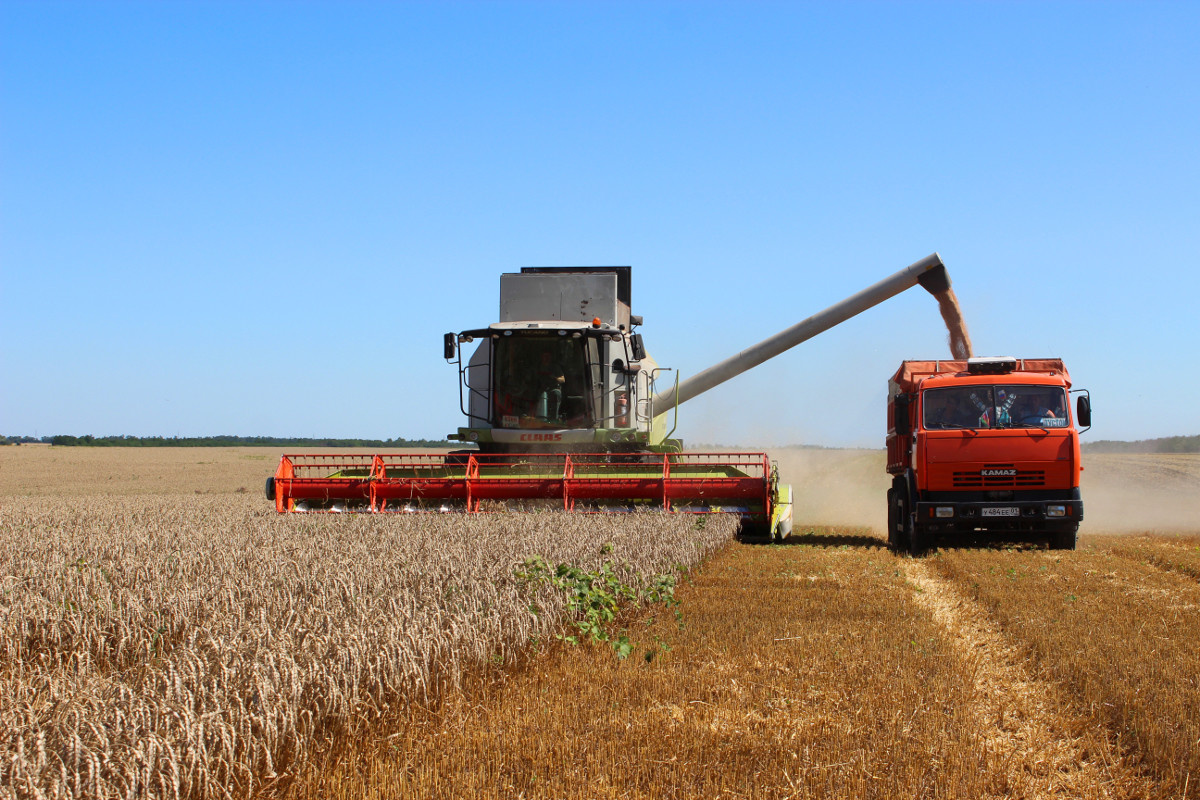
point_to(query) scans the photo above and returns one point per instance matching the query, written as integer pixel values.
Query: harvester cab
(562, 370)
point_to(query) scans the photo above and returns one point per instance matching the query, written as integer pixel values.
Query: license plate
(1002, 511)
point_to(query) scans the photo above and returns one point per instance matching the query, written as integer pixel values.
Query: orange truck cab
(984, 446)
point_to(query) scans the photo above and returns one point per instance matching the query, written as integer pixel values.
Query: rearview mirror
(450, 346)
(1083, 411)
(636, 346)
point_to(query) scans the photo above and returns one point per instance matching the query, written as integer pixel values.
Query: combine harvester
(562, 406)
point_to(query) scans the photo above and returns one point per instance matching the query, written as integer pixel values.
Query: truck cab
(984, 446)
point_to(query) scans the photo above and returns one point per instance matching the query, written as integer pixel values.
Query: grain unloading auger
(562, 409)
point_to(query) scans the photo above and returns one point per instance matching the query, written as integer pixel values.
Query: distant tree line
(1169, 444)
(216, 441)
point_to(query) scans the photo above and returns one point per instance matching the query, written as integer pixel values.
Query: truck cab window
(1038, 407)
(961, 407)
(1005, 406)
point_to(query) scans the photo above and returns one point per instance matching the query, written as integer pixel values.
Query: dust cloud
(836, 487)
(1139, 492)
(960, 340)
(1122, 493)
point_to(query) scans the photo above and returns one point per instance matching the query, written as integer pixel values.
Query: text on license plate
(1002, 511)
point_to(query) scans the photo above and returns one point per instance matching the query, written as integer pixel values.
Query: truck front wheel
(893, 519)
(918, 538)
(899, 521)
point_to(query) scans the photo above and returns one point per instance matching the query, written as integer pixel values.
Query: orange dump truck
(986, 446)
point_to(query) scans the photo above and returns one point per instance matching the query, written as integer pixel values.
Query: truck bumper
(1046, 514)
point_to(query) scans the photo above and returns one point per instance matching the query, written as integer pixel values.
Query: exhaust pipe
(929, 272)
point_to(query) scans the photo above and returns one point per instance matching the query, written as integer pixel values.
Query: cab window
(541, 382)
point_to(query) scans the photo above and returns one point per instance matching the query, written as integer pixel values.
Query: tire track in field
(1032, 735)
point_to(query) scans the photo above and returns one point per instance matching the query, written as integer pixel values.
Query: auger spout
(929, 272)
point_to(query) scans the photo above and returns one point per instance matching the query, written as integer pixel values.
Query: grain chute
(566, 408)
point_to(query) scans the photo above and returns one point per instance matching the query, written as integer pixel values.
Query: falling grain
(960, 340)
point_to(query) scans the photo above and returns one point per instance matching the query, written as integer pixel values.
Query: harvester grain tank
(984, 446)
(564, 404)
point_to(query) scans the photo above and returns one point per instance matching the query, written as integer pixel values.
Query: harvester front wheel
(755, 533)
(270, 488)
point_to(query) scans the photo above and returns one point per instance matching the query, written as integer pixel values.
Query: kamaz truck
(986, 447)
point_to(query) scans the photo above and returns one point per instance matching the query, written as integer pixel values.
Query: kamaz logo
(998, 473)
(541, 437)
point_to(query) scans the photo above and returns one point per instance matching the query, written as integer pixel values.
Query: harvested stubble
(1176, 553)
(186, 646)
(1121, 636)
(800, 671)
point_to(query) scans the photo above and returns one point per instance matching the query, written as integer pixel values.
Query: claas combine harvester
(565, 407)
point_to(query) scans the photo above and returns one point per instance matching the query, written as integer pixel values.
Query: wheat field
(164, 634)
(200, 645)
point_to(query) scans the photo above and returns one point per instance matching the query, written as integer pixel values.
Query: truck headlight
(1056, 511)
(943, 512)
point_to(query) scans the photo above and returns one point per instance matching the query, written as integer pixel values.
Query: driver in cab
(944, 409)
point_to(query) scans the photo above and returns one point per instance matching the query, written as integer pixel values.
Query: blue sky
(259, 217)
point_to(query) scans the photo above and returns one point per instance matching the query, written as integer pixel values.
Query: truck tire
(893, 519)
(1064, 539)
(900, 515)
(915, 538)
(918, 538)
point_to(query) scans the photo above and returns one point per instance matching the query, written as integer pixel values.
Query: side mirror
(900, 415)
(1083, 411)
(636, 346)
(450, 346)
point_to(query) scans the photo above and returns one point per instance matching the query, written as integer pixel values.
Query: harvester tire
(270, 488)
(755, 533)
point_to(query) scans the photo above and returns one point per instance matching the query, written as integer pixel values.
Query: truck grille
(999, 476)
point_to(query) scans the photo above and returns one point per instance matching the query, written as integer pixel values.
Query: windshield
(541, 382)
(1019, 406)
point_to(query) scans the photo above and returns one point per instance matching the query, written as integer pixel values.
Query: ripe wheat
(204, 646)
